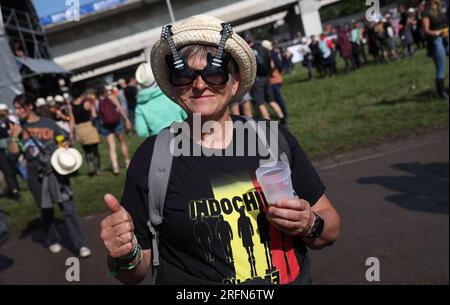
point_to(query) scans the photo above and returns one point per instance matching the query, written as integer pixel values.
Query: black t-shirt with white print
(214, 229)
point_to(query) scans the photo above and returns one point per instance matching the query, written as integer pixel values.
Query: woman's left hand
(292, 216)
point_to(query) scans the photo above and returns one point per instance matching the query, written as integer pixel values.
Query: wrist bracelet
(128, 267)
(132, 255)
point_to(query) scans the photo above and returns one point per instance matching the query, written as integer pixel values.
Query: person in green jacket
(154, 110)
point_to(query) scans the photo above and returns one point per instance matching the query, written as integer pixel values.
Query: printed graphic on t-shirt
(235, 218)
(43, 134)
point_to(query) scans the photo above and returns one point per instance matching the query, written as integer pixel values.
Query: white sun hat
(203, 30)
(3, 107)
(59, 99)
(40, 102)
(66, 161)
(267, 45)
(144, 74)
(50, 100)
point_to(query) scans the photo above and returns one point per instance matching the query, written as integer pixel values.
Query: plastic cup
(275, 181)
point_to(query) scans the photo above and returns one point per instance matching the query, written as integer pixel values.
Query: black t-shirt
(437, 22)
(263, 60)
(131, 93)
(214, 229)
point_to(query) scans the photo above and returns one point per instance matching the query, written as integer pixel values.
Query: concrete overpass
(115, 39)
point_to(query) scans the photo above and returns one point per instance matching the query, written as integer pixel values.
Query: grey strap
(158, 181)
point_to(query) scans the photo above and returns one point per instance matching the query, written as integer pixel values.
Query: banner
(84, 10)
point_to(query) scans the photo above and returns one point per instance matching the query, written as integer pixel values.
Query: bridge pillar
(305, 18)
(309, 11)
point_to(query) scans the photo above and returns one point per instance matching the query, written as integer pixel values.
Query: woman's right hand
(15, 130)
(117, 230)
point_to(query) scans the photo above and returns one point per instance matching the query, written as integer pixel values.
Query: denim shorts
(107, 130)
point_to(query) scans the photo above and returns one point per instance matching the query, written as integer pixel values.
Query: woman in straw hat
(217, 226)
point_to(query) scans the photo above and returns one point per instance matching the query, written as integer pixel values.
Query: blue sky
(46, 7)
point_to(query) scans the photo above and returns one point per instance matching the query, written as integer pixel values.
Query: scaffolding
(22, 27)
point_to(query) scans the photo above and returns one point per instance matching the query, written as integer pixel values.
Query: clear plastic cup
(275, 181)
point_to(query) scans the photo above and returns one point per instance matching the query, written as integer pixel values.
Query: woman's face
(202, 98)
(22, 112)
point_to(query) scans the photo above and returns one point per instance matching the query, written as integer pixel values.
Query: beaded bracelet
(132, 255)
(127, 267)
(128, 262)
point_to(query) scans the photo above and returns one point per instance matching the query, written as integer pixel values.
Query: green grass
(335, 114)
(327, 116)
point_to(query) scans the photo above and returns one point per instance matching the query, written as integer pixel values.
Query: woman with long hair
(38, 136)
(435, 25)
(83, 112)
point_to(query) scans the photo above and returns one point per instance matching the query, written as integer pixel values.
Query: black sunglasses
(212, 75)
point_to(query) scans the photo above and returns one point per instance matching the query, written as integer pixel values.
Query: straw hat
(66, 160)
(204, 30)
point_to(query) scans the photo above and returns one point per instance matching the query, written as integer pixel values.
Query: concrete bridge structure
(115, 39)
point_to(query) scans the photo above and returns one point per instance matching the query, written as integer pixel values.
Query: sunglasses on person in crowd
(211, 75)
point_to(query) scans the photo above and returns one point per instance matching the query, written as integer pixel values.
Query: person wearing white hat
(154, 110)
(50, 100)
(59, 99)
(62, 115)
(43, 109)
(406, 30)
(203, 66)
(48, 179)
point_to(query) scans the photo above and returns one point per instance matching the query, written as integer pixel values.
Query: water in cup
(275, 181)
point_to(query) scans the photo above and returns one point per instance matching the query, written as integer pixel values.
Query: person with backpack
(261, 91)
(37, 138)
(203, 218)
(276, 78)
(110, 115)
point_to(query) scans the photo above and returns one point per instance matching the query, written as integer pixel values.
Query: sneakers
(55, 248)
(85, 252)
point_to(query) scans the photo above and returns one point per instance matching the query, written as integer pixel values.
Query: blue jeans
(439, 53)
(279, 99)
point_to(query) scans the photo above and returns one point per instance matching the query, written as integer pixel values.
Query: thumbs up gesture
(116, 230)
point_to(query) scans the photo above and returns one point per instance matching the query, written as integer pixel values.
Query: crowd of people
(29, 136)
